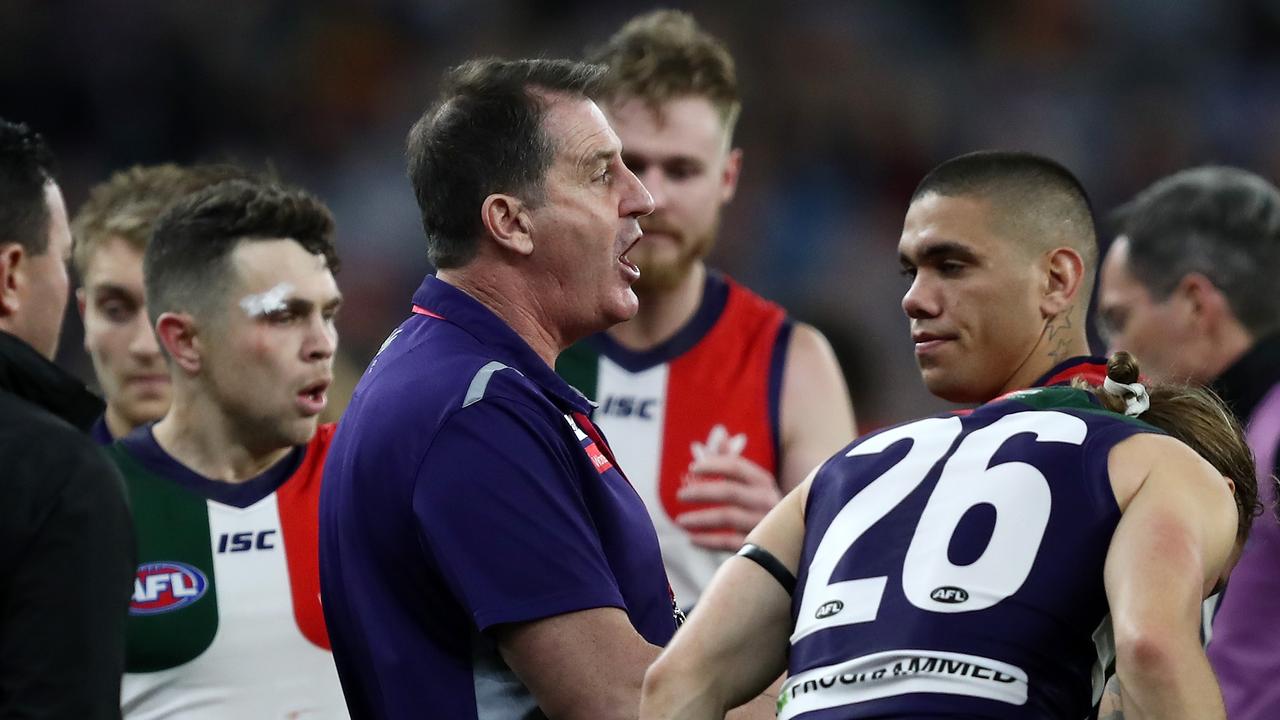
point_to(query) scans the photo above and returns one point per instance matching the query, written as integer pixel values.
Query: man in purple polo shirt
(481, 554)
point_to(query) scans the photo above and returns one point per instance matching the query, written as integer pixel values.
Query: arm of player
(560, 659)
(816, 419)
(1173, 541)
(735, 645)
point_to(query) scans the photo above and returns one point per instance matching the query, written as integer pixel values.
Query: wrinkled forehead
(576, 128)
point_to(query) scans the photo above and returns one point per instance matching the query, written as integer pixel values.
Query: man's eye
(116, 310)
(908, 272)
(280, 317)
(1114, 323)
(951, 268)
(681, 172)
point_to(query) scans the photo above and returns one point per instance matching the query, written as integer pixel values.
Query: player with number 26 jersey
(951, 566)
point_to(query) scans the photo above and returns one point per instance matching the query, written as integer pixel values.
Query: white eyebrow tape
(265, 303)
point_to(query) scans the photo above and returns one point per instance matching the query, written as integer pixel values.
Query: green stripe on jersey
(580, 367)
(171, 525)
(1069, 398)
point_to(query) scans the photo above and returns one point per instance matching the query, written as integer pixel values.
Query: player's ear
(508, 222)
(1064, 276)
(177, 334)
(729, 175)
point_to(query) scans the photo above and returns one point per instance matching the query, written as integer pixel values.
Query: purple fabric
(458, 496)
(1245, 648)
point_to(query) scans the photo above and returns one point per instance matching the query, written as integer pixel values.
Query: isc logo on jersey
(629, 406)
(164, 586)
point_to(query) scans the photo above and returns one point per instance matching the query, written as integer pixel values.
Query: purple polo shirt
(461, 494)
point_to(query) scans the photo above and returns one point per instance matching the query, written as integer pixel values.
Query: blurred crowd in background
(846, 105)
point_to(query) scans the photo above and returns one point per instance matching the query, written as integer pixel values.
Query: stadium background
(846, 105)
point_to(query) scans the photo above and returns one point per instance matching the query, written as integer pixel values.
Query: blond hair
(129, 202)
(664, 55)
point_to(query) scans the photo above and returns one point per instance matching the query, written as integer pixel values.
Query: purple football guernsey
(952, 567)
(465, 489)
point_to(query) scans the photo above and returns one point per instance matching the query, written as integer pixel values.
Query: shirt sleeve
(498, 499)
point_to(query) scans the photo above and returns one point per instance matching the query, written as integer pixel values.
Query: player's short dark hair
(1221, 222)
(26, 166)
(186, 264)
(484, 135)
(1037, 199)
(664, 55)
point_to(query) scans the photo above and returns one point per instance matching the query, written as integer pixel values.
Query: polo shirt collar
(445, 302)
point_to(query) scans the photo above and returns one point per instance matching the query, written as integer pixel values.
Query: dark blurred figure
(66, 563)
(1188, 287)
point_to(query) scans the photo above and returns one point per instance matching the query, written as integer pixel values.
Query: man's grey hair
(1221, 222)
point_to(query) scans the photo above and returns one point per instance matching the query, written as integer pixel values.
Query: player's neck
(1062, 339)
(199, 435)
(116, 424)
(662, 312)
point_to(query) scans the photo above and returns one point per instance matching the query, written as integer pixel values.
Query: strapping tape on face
(265, 303)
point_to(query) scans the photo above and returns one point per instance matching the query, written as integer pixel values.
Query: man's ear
(1064, 276)
(12, 277)
(730, 174)
(507, 221)
(1207, 306)
(177, 333)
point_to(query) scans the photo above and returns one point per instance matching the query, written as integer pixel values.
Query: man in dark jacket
(66, 538)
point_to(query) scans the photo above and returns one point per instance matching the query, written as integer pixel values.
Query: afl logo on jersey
(828, 609)
(949, 594)
(161, 587)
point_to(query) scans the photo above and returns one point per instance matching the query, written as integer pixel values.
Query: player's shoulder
(1146, 457)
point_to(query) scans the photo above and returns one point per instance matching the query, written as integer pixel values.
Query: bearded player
(716, 402)
(226, 619)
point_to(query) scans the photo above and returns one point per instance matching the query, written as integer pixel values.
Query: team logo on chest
(165, 586)
(625, 406)
(719, 442)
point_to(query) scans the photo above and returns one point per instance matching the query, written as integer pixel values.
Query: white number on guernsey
(1018, 492)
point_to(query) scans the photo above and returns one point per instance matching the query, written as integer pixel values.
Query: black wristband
(771, 564)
